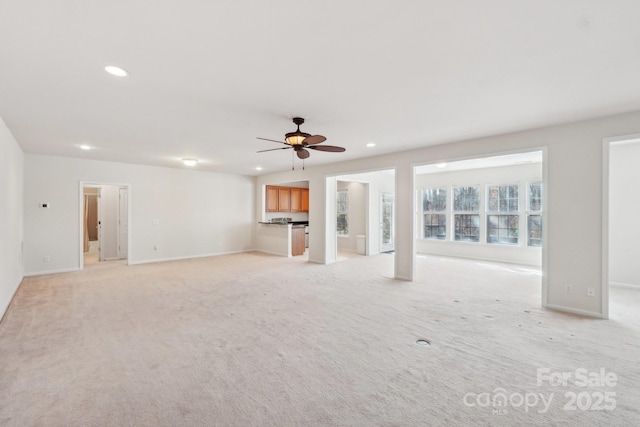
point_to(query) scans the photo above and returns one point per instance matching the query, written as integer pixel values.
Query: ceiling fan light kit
(297, 137)
(302, 141)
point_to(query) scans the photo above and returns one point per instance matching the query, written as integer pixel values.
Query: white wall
(624, 213)
(573, 162)
(11, 229)
(356, 214)
(197, 213)
(517, 174)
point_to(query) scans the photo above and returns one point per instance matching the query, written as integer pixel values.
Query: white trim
(43, 273)
(574, 311)
(150, 261)
(604, 280)
(487, 259)
(280, 254)
(625, 285)
(544, 294)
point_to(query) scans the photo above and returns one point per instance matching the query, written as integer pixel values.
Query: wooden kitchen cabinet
(284, 199)
(272, 199)
(297, 241)
(296, 199)
(305, 200)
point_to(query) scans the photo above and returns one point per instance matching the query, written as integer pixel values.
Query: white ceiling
(207, 78)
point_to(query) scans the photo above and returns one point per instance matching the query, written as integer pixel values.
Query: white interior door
(123, 224)
(387, 208)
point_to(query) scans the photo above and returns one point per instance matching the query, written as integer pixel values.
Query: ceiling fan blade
(314, 139)
(303, 154)
(331, 148)
(274, 149)
(272, 140)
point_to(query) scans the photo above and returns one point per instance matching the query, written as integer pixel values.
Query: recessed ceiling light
(190, 162)
(84, 147)
(441, 165)
(116, 71)
(371, 144)
(258, 168)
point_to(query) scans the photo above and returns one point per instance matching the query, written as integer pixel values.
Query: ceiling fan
(301, 142)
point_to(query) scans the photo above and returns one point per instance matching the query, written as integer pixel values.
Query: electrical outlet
(569, 289)
(46, 259)
(591, 292)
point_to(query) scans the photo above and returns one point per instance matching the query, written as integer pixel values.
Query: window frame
(344, 212)
(441, 213)
(503, 212)
(533, 212)
(465, 214)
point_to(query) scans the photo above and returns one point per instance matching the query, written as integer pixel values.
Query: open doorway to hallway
(104, 223)
(364, 219)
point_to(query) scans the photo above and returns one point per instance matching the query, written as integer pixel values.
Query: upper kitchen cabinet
(296, 199)
(287, 199)
(284, 199)
(272, 199)
(305, 200)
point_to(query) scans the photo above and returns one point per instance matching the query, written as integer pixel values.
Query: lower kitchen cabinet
(297, 240)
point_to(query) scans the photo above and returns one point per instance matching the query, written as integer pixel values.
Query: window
(342, 207)
(434, 207)
(534, 214)
(503, 228)
(503, 198)
(466, 207)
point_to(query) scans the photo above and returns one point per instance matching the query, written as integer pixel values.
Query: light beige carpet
(258, 340)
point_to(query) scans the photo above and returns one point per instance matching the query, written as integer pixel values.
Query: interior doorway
(621, 209)
(492, 210)
(357, 223)
(104, 223)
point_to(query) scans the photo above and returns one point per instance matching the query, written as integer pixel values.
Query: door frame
(606, 169)
(89, 184)
(118, 242)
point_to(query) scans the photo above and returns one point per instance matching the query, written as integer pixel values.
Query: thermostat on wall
(45, 205)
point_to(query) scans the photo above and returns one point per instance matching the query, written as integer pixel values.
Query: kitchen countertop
(285, 223)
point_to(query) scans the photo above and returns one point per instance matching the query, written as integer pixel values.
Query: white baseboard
(3, 310)
(624, 285)
(574, 311)
(42, 273)
(270, 252)
(150, 261)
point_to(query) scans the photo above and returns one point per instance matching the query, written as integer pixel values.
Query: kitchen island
(280, 238)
